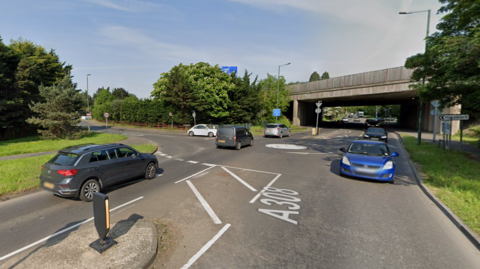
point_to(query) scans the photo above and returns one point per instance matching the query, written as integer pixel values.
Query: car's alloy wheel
(289, 133)
(190, 133)
(88, 189)
(238, 146)
(150, 171)
(281, 135)
(251, 142)
(210, 134)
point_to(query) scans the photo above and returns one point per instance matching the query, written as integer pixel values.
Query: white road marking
(260, 193)
(63, 231)
(169, 157)
(158, 175)
(206, 247)
(209, 210)
(239, 179)
(284, 146)
(194, 174)
(209, 164)
(162, 154)
(244, 169)
(305, 153)
(179, 159)
(192, 162)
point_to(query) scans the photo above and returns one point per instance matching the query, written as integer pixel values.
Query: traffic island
(136, 248)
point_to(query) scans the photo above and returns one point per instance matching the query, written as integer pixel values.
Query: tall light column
(88, 105)
(278, 86)
(420, 109)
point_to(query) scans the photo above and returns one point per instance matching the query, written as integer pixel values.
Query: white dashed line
(239, 179)
(193, 175)
(209, 210)
(192, 162)
(169, 157)
(209, 164)
(179, 159)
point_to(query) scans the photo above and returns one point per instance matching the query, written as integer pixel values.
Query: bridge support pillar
(296, 118)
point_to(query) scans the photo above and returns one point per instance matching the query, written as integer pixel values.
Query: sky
(130, 43)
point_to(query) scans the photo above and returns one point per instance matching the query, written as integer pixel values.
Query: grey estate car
(233, 137)
(276, 129)
(81, 170)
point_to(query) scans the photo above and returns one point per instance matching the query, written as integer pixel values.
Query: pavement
(137, 238)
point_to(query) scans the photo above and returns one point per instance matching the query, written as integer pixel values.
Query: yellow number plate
(221, 141)
(48, 185)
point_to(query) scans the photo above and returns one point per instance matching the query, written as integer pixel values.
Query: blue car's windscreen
(369, 149)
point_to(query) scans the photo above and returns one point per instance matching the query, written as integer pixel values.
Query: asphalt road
(308, 217)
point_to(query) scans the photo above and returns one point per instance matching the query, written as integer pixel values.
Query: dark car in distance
(376, 133)
(81, 170)
(230, 136)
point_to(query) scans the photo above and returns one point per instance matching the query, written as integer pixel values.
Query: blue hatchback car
(369, 160)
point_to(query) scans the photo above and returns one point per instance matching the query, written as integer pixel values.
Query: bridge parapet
(390, 75)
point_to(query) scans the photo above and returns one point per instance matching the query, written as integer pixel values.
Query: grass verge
(452, 176)
(22, 174)
(35, 144)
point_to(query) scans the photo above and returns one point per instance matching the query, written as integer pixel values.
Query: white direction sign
(318, 110)
(454, 117)
(435, 103)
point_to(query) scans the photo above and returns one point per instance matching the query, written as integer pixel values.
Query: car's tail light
(68, 173)
(235, 138)
(216, 137)
(278, 129)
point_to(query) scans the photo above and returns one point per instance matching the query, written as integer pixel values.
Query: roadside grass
(452, 176)
(22, 174)
(35, 144)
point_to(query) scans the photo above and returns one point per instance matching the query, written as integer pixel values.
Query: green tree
(200, 87)
(325, 75)
(450, 63)
(10, 97)
(245, 100)
(314, 76)
(60, 113)
(120, 93)
(269, 91)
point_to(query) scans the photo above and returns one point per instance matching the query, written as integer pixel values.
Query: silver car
(276, 129)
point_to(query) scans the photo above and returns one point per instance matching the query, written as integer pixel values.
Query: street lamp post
(419, 135)
(278, 86)
(88, 105)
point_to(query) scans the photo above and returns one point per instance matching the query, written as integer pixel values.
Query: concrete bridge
(383, 87)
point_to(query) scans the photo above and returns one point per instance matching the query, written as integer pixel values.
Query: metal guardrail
(390, 75)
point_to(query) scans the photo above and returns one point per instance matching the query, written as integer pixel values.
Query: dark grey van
(233, 137)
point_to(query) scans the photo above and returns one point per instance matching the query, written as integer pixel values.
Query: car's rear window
(64, 158)
(376, 130)
(272, 126)
(225, 132)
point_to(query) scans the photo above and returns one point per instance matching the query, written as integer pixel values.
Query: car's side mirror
(342, 149)
(395, 154)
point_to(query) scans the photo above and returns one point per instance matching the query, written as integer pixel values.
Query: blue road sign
(229, 69)
(276, 112)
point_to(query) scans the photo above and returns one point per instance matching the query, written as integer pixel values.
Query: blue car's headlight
(366, 136)
(345, 160)
(384, 136)
(388, 165)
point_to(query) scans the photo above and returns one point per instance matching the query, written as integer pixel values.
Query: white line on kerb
(239, 179)
(206, 247)
(194, 174)
(62, 231)
(209, 210)
(260, 193)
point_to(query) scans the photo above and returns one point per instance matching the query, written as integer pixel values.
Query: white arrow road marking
(239, 179)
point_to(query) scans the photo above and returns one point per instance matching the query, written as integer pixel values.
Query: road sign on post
(318, 111)
(454, 117)
(106, 115)
(435, 103)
